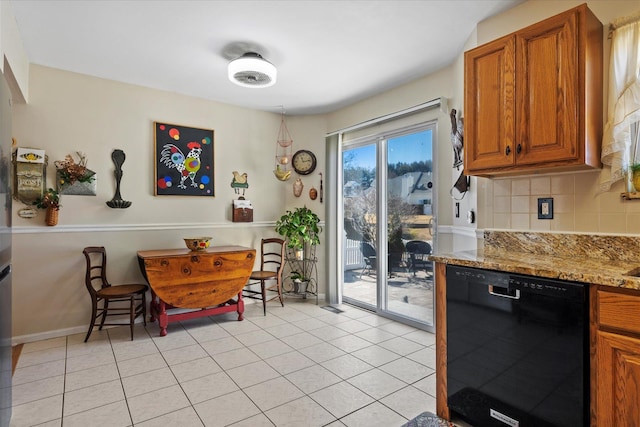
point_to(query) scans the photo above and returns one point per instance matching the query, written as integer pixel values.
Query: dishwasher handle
(504, 292)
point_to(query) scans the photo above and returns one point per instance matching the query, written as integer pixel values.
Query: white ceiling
(329, 54)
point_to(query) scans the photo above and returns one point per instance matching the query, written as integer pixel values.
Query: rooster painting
(184, 161)
(172, 157)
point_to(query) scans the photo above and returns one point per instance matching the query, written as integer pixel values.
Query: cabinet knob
(507, 151)
(519, 148)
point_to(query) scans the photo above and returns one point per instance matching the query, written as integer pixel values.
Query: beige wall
(70, 112)
(436, 85)
(511, 203)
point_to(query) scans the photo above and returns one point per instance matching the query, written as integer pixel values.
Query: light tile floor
(300, 365)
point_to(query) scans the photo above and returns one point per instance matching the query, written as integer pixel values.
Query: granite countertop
(598, 260)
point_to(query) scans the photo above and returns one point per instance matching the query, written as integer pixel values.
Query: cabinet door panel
(489, 105)
(618, 380)
(547, 99)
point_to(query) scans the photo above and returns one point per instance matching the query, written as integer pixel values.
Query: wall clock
(304, 162)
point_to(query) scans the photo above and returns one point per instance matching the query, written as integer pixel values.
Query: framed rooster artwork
(184, 160)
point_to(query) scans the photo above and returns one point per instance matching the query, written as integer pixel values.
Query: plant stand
(307, 267)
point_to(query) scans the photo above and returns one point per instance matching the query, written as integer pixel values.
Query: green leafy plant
(295, 275)
(299, 227)
(50, 199)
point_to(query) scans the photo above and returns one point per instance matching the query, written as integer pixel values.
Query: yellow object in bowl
(198, 243)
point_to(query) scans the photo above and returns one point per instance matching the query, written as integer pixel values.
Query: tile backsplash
(512, 204)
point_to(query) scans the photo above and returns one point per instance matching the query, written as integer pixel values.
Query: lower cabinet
(616, 389)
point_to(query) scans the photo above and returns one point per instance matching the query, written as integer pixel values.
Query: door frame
(381, 145)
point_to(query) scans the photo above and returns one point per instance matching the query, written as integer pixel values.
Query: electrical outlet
(545, 208)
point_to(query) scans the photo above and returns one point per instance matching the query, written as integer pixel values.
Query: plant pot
(299, 254)
(51, 218)
(299, 286)
(635, 179)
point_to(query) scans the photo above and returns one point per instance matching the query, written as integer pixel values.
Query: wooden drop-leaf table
(209, 281)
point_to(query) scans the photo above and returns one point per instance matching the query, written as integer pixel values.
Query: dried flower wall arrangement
(73, 177)
(70, 171)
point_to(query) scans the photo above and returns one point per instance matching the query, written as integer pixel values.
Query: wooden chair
(102, 291)
(271, 267)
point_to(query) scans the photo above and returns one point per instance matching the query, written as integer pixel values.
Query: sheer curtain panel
(624, 99)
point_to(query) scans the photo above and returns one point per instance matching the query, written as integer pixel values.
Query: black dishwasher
(517, 349)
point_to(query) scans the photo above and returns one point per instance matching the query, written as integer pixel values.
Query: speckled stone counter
(594, 259)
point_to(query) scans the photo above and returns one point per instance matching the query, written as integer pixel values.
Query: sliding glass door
(387, 216)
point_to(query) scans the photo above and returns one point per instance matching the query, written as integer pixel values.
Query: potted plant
(300, 282)
(301, 230)
(299, 227)
(634, 170)
(50, 200)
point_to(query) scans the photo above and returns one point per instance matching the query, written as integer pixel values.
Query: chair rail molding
(140, 227)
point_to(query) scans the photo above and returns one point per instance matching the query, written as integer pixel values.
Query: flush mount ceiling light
(252, 70)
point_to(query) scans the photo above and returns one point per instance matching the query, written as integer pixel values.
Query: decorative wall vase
(297, 187)
(51, 217)
(73, 177)
(86, 187)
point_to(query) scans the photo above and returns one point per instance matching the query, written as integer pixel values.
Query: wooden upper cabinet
(533, 99)
(489, 105)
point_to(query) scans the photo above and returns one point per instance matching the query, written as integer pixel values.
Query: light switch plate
(545, 208)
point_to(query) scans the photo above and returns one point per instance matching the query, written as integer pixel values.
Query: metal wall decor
(297, 187)
(118, 158)
(29, 174)
(457, 138)
(239, 182)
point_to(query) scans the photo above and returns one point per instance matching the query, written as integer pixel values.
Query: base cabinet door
(618, 380)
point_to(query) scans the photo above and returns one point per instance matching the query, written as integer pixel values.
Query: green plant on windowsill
(634, 170)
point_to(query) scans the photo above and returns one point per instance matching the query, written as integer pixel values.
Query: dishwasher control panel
(531, 284)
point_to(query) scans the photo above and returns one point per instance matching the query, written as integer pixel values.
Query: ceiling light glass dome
(252, 70)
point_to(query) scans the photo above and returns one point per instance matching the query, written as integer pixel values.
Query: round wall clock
(304, 162)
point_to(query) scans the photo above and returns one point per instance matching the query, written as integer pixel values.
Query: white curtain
(624, 99)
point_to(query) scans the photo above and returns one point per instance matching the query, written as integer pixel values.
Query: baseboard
(15, 355)
(47, 335)
(40, 336)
